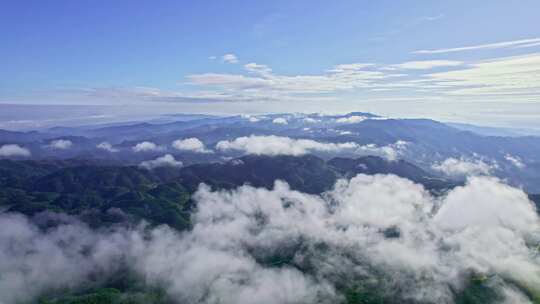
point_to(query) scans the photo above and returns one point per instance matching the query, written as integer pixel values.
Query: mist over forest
(320, 209)
(269, 152)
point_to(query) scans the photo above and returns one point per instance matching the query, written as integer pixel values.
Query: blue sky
(452, 60)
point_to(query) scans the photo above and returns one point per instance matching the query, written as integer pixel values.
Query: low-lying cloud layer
(107, 147)
(515, 160)
(463, 167)
(280, 121)
(190, 144)
(283, 246)
(146, 146)
(60, 144)
(351, 119)
(279, 145)
(166, 160)
(12, 150)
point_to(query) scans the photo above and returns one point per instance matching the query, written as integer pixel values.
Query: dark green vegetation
(108, 295)
(109, 194)
(99, 195)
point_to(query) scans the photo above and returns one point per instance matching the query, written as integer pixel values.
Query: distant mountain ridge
(428, 142)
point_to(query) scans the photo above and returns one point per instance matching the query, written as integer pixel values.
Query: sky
(464, 61)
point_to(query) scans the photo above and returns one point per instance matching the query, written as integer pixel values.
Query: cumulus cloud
(458, 212)
(166, 160)
(280, 121)
(10, 150)
(251, 118)
(310, 120)
(229, 58)
(147, 146)
(60, 144)
(249, 243)
(190, 144)
(279, 145)
(351, 119)
(464, 167)
(515, 160)
(107, 147)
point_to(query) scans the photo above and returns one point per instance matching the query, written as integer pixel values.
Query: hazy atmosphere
(449, 61)
(242, 152)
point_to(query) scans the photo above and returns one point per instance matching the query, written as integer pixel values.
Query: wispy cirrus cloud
(432, 18)
(498, 45)
(517, 75)
(260, 78)
(428, 79)
(427, 64)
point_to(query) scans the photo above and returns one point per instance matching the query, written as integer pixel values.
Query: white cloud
(351, 119)
(229, 255)
(427, 64)
(518, 75)
(463, 167)
(521, 46)
(262, 84)
(166, 160)
(236, 162)
(381, 83)
(10, 150)
(515, 160)
(60, 144)
(280, 121)
(146, 146)
(107, 147)
(458, 212)
(278, 145)
(488, 46)
(258, 69)
(229, 58)
(190, 144)
(310, 120)
(251, 118)
(390, 152)
(432, 18)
